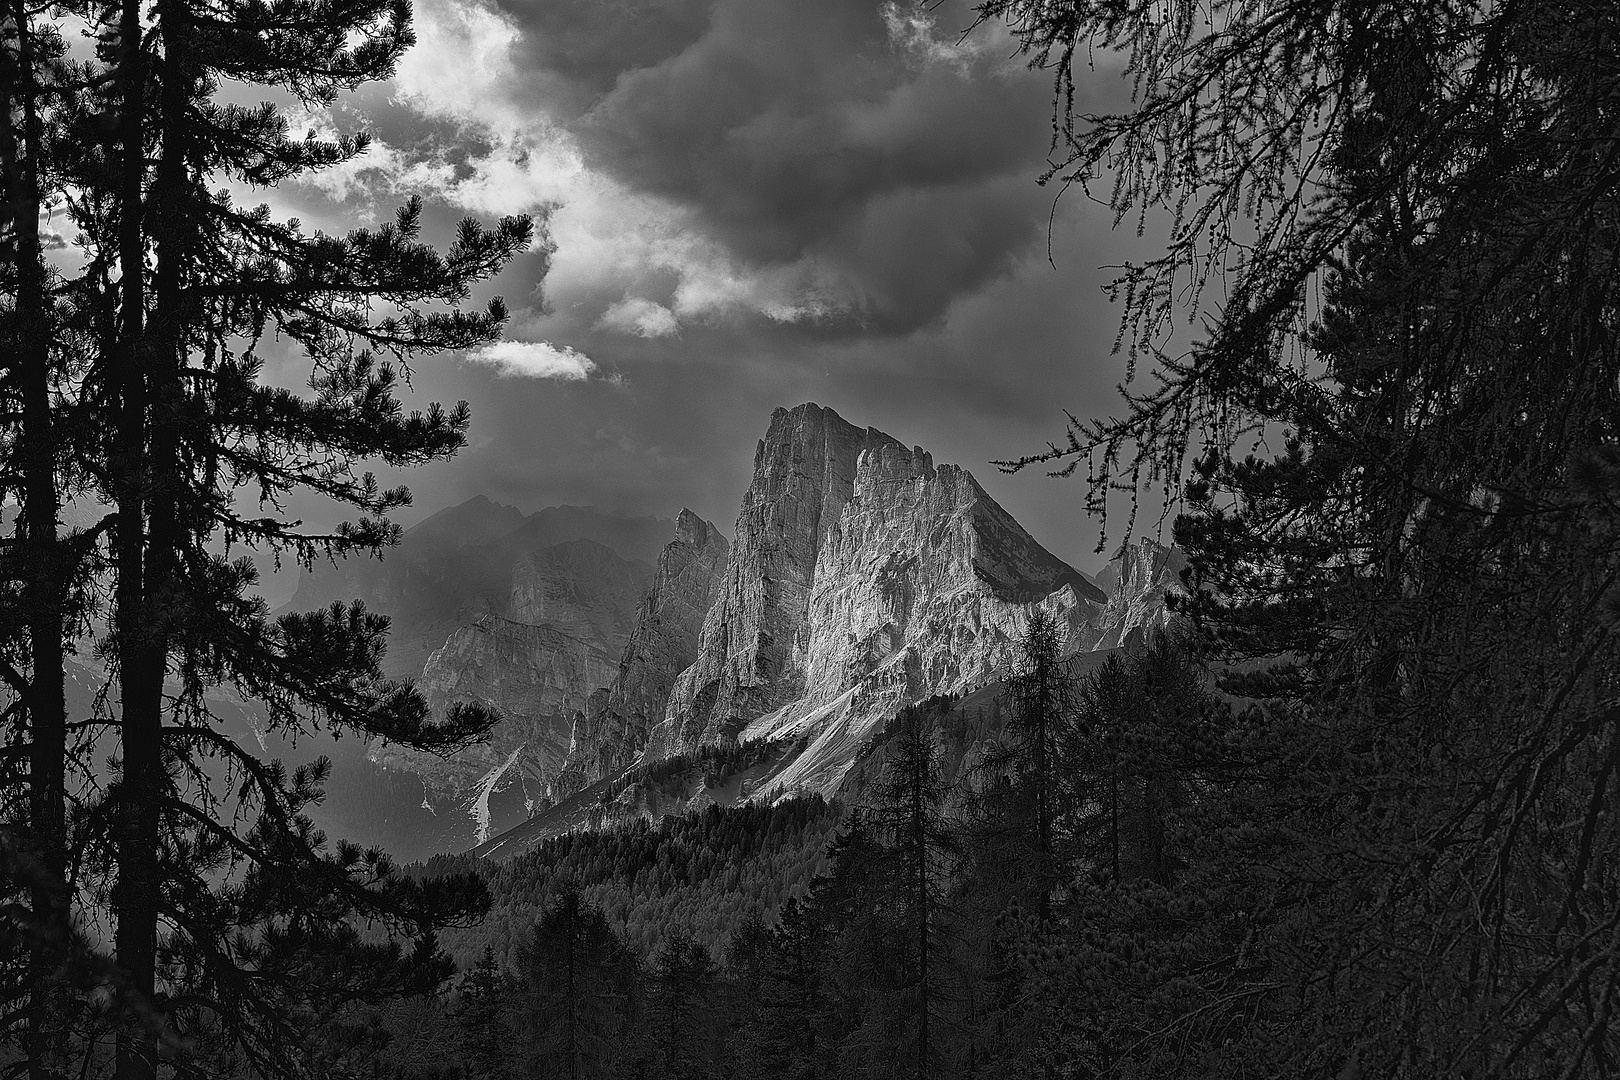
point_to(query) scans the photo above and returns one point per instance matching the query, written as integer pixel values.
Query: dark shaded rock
(612, 731)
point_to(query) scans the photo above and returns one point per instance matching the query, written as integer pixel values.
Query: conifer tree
(43, 573)
(580, 983)
(1040, 698)
(182, 438)
(908, 812)
(788, 1015)
(1414, 569)
(681, 1011)
(480, 1014)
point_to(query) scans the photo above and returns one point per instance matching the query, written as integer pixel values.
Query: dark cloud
(793, 136)
(842, 143)
(787, 119)
(578, 49)
(988, 381)
(806, 131)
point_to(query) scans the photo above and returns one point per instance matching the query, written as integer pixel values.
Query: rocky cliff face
(536, 656)
(753, 649)
(537, 676)
(862, 577)
(1138, 580)
(613, 728)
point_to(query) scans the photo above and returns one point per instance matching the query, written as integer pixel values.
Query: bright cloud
(535, 360)
(642, 317)
(913, 29)
(606, 235)
(461, 67)
(674, 198)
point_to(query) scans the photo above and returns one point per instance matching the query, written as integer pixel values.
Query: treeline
(1035, 915)
(716, 764)
(701, 875)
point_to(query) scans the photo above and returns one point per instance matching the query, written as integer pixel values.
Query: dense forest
(702, 874)
(1356, 818)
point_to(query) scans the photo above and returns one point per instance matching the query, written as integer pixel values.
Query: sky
(744, 204)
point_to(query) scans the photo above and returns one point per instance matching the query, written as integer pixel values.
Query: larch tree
(579, 984)
(908, 813)
(681, 1011)
(1398, 438)
(1040, 695)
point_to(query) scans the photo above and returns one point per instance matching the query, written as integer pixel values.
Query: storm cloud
(850, 164)
(745, 204)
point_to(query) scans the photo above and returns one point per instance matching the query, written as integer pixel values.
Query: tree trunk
(919, 780)
(43, 589)
(141, 653)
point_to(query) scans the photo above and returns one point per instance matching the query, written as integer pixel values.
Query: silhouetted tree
(233, 919)
(681, 1011)
(579, 986)
(788, 1018)
(907, 812)
(1040, 694)
(482, 1022)
(1413, 569)
(43, 573)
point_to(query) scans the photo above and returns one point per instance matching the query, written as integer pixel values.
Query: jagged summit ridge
(862, 576)
(755, 639)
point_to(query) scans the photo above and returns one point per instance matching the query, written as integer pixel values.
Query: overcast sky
(749, 204)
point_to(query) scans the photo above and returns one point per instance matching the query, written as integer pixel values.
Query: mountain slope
(528, 614)
(863, 577)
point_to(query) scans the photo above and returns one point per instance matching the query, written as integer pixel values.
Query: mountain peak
(691, 529)
(859, 567)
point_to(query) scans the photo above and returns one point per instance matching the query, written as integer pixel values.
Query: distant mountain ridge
(457, 565)
(526, 613)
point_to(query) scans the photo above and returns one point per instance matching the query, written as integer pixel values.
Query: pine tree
(1143, 726)
(908, 812)
(44, 573)
(788, 1014)
(480, 1014)
(1041, 699)
(180, 437)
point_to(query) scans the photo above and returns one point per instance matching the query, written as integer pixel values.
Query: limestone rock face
(537, 676)
(614, 725)
(580, 588)
(753, 651)
(1142, 574)
(862, 577)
